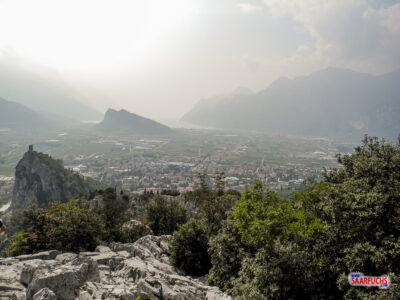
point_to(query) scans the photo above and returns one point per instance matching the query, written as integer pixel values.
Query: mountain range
(335, 103)
(17, 117)
(42, 90)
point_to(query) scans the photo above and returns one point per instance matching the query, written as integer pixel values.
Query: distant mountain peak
(124, 122)
(42, 90)
(332, 102)
(17, 117)
(242, 90)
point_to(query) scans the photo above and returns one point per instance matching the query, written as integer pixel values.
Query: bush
(19, 245)
(113, 214)
(32, 221)
(64, 226)
(213, 206)
(227, 252)
(253, 255)
(188, 247)
(262, 217)
(165, 215)
(283, 270)
(215, 209)
(72, 228)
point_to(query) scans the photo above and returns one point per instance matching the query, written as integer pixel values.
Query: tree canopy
(306, 247)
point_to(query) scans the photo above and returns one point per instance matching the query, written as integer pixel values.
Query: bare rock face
(116, 271)
(40, 180)
(44, 294)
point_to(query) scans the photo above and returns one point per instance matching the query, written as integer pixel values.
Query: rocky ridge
(40, 180)
(116, 271)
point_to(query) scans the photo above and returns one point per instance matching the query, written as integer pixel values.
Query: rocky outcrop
(45, 294)
(116, 271)
(40, 180)
(135, 229)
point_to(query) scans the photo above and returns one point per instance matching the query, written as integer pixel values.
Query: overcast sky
(157, 58)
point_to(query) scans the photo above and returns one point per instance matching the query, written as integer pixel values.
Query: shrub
(214, 209)
(227, 252)
(64, 226)
(19, 245)
(262, 217)
(188, 247)
(113, 214)
(72, 228)
(165, 215)
(213, 206)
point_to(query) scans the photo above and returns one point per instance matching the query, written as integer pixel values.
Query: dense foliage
(70, 226)
(253, 255)
(113, 214)
(227, 252)
(189, 248)
(164, 215)
(210, 208)
(212, 205)
(305, 248)
(64, 226)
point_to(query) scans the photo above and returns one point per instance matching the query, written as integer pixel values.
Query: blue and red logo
(359, 279)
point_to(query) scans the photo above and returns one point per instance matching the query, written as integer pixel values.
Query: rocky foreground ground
(116, 271)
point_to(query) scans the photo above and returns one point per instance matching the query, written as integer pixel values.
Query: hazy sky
(157, 58)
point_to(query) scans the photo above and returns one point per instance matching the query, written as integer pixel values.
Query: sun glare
(90, 34)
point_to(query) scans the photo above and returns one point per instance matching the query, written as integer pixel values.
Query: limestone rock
(44, 294)
(40, 180)
(116, 271)
(45, 255)
(64, 280)
(66, 257)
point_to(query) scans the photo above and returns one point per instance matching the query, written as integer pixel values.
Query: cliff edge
(40, 180)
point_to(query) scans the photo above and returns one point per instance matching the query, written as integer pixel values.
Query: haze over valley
(199, 149)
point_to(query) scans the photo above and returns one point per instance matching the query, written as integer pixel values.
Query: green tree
(33, 221)
(204, 184)
(260, 253)
(114, 213)
(262, 217)
(219, 183)
(226, 252)
(164, 215)
(360, 205)
(282, 270)
(214, 209)
(69, 227)
(188, 248)
(64, 226)
(306, 247)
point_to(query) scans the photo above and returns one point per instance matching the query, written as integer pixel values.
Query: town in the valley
(174, 163)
